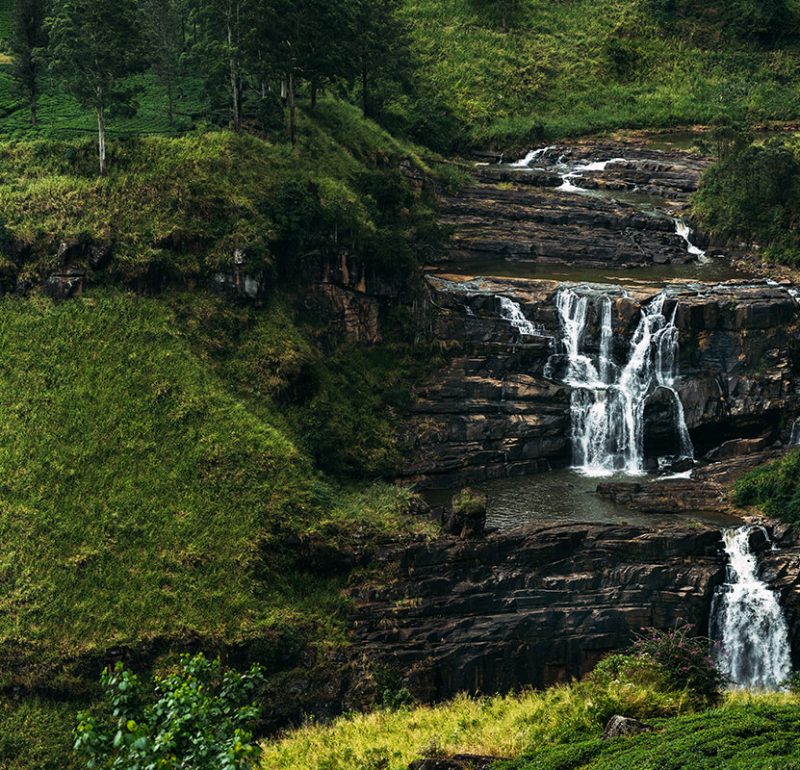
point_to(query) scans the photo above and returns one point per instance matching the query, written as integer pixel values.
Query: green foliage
(201, 716)
(685, 659)
(775, 488)
(753, 195)
(36, 734)
(755, 736)
(177, 209)
(469, 502)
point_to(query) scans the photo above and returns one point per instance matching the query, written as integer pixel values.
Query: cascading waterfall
(747, 621)
(512, 312)
(608, 402)
(684, 231)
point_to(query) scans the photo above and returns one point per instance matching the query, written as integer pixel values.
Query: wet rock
(534, 606)
(498, 407)
(622, 727)
(64, 286)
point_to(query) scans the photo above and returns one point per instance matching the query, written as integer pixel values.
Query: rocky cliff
(494, 412)
(534, 606)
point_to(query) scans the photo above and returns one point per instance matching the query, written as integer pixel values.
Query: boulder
(621, 727)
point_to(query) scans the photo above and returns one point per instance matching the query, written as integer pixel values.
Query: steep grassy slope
(178, 208)
(558, 729)
(566, 68)
(142, 498)
(151, 502)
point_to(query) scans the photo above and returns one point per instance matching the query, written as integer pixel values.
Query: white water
(685, 232)
(512, 312)
(747, 620)
(532, 156)
(568, 178)
(608, 401)
(794, 438)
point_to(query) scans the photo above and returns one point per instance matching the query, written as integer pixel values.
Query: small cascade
(608, 401)
(512, 312)
(531, 157)
(794, 436)
(684, 231)
(747, 621)
(570, 176)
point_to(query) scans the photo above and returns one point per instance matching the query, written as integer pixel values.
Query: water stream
(609, 398)
(747, 621)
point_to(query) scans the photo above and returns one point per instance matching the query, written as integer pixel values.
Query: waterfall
(685, 232)
(794, 437)
(512, 312)
(747, 621)
(608, 402)
(532, 156)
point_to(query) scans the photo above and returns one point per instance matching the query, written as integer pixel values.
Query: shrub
(201, 717)
(685, 659)
(468, 502)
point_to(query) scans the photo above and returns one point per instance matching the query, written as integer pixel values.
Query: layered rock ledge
(493, 412)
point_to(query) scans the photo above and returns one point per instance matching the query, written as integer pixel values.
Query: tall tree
(225, 44)
(163, 24)
(380, 43)
(28, 38)
(94, 48)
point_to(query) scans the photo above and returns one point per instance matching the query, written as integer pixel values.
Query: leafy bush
(753, 195)
(774, 487)
(200, 717)
(469, 502)
(685, 660)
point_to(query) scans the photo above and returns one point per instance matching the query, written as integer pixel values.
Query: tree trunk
(291, 103)
(101, 143)
(236, 107)
(170, 101)
(364, 101)
(34, 110)
(314, 89)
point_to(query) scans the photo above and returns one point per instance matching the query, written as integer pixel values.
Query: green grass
(558, 729)
(143, 498)
(587, 66)
(499, 726)
(178, 207)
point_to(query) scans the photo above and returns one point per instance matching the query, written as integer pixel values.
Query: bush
(685, 659)
(468, 502)
(201, 717)
(775, 488)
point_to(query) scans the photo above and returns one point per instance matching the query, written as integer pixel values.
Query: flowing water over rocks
(748, 622)
(586, 324)
(608, 399)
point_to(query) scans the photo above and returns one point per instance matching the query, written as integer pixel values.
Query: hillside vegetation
(556, 730)
(512, 72)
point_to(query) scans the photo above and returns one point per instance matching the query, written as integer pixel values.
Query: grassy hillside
(566, 68)
(558, 729)
(151, 502)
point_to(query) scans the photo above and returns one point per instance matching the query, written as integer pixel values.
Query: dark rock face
(534, 606)
(493, 411)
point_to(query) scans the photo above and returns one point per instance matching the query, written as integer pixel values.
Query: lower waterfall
(747, 621)
(608, 400)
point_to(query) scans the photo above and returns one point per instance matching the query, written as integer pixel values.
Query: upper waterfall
(747, 621)
(608, 400)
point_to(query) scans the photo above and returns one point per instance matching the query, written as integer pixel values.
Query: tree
(28, 38)
(162, 24)
(380, 47)
(199, 717)
(226, 43)
(94, 48)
